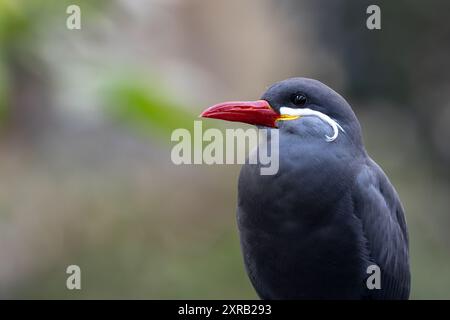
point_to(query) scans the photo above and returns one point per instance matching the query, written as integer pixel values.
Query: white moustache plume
(309, 112)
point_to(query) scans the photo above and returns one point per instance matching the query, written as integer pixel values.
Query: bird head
(286, 103)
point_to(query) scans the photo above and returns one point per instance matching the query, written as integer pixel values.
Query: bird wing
(377, 206)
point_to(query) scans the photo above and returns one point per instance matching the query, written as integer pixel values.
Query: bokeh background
(86, 117)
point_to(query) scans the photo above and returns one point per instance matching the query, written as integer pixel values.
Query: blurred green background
(86, 117)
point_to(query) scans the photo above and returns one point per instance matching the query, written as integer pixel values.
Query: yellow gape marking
(287, 117)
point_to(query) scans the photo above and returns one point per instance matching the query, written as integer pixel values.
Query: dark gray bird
(314, 229)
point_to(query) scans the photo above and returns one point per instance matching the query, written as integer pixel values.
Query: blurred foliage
(3, 95)
(14, 22)
(21, 19)
(115, 271)
(147, 108)
(23, 27)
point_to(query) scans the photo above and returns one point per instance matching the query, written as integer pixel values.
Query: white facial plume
(309, 112)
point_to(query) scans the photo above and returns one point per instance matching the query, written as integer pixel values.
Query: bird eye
(299, 99)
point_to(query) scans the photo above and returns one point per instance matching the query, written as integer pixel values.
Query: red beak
(256, 112)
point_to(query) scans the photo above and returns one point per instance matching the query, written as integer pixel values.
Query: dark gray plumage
(311, 230)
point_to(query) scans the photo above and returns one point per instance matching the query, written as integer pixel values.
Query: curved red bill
(256, 112)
